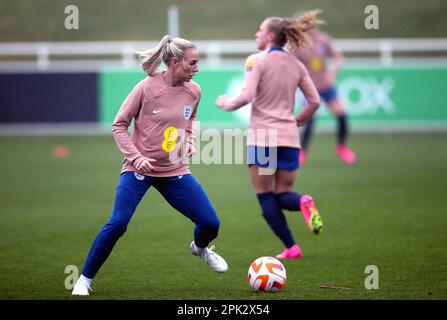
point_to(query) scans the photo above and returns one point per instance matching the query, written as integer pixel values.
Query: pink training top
(164, 117)
(314, 58)
(271, 80)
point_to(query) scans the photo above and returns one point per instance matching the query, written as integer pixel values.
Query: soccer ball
(267, 274)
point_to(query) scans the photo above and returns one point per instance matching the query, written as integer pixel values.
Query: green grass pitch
(389, 210)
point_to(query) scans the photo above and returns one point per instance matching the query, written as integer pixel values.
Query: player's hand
(145, 165)
(222, 101)
(190, 150)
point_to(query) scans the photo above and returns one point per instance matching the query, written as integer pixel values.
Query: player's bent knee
(118, 227)
(212, 225)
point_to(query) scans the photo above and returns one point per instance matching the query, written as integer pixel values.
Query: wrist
(138, 160)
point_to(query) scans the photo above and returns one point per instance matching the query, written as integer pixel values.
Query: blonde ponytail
(168, 48)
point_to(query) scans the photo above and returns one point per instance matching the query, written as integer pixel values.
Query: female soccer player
(271, 79)
(163, 106)
(314, 56)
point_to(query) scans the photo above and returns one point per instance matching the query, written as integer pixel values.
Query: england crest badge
(187, 111)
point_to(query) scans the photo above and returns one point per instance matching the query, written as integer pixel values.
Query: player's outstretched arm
(313, 98)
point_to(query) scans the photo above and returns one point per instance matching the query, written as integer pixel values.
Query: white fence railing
(45, 54)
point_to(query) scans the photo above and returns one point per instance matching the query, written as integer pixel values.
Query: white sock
(85, 279)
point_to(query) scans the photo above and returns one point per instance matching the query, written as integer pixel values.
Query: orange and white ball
(267, 274)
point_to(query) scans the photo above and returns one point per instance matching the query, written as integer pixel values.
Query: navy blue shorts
(282, 158)
(329, 94)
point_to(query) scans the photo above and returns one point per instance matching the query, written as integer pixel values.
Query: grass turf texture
(389, 210)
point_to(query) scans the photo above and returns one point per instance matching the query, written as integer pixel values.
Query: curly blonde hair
(292, 31)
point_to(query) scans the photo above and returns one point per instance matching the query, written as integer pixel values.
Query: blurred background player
(163, 105)
(271, 79)
(314, 56)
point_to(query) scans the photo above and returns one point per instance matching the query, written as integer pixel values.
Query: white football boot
(81, 287)
(216, 262)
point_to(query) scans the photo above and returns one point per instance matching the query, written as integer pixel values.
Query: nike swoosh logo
(157, 110)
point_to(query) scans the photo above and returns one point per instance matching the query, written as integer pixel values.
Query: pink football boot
(291, 253)
(345, 154)
(303, 156)
(310, 214)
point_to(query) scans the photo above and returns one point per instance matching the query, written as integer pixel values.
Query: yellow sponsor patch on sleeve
(316, 64)
(249, 65)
